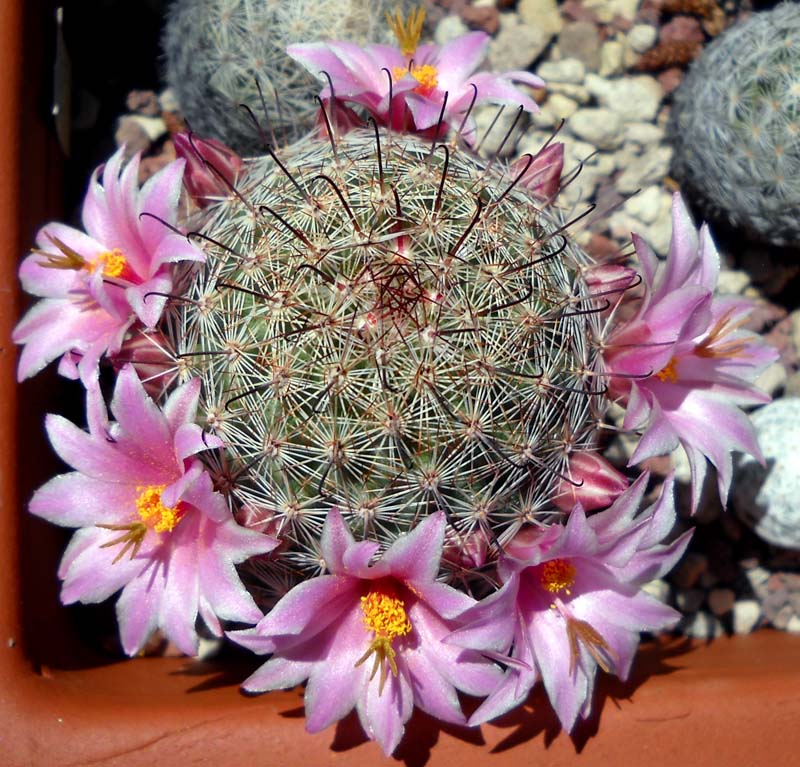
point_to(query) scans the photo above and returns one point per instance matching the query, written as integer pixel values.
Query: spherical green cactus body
(217, 50)
(391, 329)
(735, 126)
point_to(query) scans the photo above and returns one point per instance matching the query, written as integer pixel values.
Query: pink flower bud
(211, 167)
(602, 483)
(468, 551)
(543, 175)
(341, 119)
(152, 359)
(610, 278)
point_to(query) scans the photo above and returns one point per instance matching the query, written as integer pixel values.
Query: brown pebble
(143, 102)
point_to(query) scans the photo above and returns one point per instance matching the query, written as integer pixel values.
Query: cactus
(216, 50)
(390, 329)
(735, 126)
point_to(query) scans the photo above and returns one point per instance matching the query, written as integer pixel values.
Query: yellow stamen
(427, 76)
(579, 631)
(668, 373)
(112, 263)
(407, 32)
(558, 575)
(710, 346)
(152, 511)
(385, 616)
(132, 538)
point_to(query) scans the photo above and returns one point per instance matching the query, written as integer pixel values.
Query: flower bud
(599, 483)
(211, 167)
(543, 175)
(610, 278)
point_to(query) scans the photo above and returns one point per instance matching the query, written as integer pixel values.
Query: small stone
(168, 101)
(757, 577)
(782, 618)
(482, 17)
(732, 281)
(598, 126)
(704, 626)
(689, 570)
(773, 379)
(576, 92)
(563, 71)
(449, 28)
(541, 13)
(647, 205)
(561, 106)
(793, 625)
(669, 79)
(746, 613)
(516, 45)
(721, 601)
(648, 169)
(132, 136)
(690, 600)
(681, 29)
(635, 99)
(643, 134)
(143, 102)
(766, 498)
(485, 119)
(581, 40)
(642, 37)
(603, 10)
(611, 53)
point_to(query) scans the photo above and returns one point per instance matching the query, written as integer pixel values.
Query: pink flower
(150, 522)
(211, 167)
(416, 76)
(682, 363)
(369, 636)
(95, 285)
(571, 602)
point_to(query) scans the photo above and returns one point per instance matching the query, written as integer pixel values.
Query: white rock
(648, 169)
(449, 28)
(721, 601)
(168, 101)
(642, 37)
(544, 14)
(647, 205)
(516, 44)
(154, 127)
(635, 99)
(611, 53)
(659, 236)
(484, 116)
(746, 613)
(732, 281)
(766, 498)
(794, 317)
(576, 92)
(704, 626)
(793, 626)
(598, 126)
(643, 134)
(772, 379)
(561, 106)
(564, 71)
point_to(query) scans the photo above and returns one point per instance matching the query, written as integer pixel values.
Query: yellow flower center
(407, 31)
(668, 373)
(384, 615)
(112, 263)
(154, 513)
(557, 575)
(427, 76)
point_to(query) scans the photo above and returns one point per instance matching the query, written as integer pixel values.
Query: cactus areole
(391, 328)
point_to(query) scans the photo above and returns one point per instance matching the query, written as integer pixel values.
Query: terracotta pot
(734, 702)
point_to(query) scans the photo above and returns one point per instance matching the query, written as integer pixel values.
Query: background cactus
(215, 49)
(390, 333)
(735, 126)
